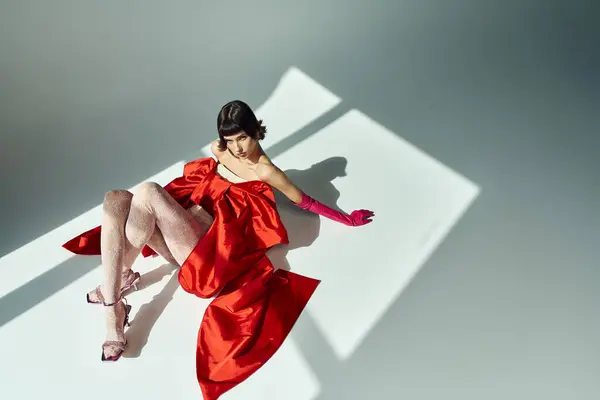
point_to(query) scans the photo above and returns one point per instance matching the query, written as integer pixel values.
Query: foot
(117, 317)
(128, 279)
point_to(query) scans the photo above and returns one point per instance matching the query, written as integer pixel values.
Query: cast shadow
(148, 314)
(304, 226)
(303, 229)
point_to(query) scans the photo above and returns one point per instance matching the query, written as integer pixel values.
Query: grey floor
(97, 95)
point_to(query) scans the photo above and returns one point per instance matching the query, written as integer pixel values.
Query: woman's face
(240, 145)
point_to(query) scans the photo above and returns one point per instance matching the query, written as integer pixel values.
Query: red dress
(255, 306)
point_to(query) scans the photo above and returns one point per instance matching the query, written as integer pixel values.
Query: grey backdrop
(96, 95)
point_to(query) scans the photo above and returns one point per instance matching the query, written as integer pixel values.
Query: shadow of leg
(150, 278)
(146, 317)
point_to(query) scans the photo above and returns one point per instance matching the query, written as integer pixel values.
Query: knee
(116, 200)
(147, 190)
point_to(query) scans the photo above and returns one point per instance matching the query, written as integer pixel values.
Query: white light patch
(416, 199)
(41, 255)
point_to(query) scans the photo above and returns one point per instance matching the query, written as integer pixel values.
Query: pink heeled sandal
(130, 279)
(115, 343)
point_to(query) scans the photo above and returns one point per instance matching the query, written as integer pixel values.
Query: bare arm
(272, 175)
(275, 177)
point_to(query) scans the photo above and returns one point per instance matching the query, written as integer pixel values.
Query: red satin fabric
(256, 306)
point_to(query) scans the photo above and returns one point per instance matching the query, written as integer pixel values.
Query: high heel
(116, 343)
(130, 279)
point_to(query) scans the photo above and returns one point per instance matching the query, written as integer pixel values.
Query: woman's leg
(151, 207)
(116, 207)
(121, 200)
(112, 247)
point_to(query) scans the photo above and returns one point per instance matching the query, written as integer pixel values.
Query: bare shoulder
(266, 170)
(271, 174)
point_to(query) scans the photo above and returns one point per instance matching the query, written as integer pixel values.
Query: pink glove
(356, 218)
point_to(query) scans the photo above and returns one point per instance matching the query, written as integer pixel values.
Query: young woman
(216, 221)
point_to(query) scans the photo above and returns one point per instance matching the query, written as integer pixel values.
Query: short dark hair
(235, 117)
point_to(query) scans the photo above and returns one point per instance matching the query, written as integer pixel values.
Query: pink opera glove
(356, 218)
